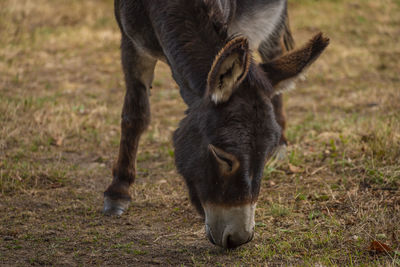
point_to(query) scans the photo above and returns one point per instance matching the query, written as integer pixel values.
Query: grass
(61, 92)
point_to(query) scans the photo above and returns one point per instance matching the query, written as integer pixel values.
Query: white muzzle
(229, 227)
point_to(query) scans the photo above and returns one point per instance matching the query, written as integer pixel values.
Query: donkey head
(223, 143)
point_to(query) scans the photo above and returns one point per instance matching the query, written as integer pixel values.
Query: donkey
(234, 120)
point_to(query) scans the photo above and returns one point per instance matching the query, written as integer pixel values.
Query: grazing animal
(234, 121)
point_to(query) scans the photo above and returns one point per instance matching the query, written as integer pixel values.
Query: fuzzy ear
(230, 67)
(227, 163)
(283, 70)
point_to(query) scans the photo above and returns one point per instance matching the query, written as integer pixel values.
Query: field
(61, 94)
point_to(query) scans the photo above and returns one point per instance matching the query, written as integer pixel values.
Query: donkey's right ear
(229, 69)
(283, 70)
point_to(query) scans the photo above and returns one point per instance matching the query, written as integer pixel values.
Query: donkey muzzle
(229, 227)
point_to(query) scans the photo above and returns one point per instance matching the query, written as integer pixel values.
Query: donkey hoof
(115, 206)
(281, 153)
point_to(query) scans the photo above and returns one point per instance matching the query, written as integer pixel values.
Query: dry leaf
(295, 169)
(59, 141)
(379, 247)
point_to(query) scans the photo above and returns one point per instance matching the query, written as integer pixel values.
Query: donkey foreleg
(138, 70)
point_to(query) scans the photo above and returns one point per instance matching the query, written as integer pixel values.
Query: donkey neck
(258, 20)
(191, 35)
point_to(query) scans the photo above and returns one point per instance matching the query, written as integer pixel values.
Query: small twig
(162, 236)
(317, 170)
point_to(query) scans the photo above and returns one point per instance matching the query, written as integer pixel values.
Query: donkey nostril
(234, 241)
(229, 243)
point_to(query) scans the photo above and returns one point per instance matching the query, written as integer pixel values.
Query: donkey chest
(259, 22)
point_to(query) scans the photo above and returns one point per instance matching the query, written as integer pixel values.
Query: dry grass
(61, 92)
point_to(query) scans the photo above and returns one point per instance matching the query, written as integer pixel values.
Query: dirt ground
(61, 93)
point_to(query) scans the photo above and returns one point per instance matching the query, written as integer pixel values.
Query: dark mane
(199, 32)
(257, 78)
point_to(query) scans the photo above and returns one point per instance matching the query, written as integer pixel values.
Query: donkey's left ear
(283, 70)
(230, 67)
